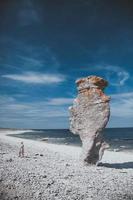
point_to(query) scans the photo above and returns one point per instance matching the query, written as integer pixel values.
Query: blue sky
(46, 45)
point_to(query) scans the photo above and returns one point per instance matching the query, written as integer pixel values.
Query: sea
(120, 139)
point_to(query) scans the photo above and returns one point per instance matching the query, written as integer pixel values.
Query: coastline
(51, 171)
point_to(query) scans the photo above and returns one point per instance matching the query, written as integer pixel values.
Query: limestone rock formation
(89, 115)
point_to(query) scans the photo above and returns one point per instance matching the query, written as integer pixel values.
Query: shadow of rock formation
(125, 165)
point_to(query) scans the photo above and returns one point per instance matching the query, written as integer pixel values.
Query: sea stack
(89, 115)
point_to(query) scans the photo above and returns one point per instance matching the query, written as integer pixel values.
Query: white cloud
(56, 109)
(116, 75)
(18, 106)
(30, 61)
(122, 105)
(123, 77)
(40, 110)
(122, 95)
(60, 101)
(5, 99)
(36, 78)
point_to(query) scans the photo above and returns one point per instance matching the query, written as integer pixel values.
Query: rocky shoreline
(47, 173)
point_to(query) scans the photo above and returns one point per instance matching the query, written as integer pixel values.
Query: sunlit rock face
(89, 115)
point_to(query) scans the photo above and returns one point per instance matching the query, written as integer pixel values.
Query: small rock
(9, 160)
(68, 191)
(41, 154)
(38, 193)
(16, 197)
(123, 172)
(67, 164)
(49, 184)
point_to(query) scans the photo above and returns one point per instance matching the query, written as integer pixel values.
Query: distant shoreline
(57, 128)
(119, 139)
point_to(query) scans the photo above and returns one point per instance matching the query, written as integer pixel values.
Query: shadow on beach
(125, 165)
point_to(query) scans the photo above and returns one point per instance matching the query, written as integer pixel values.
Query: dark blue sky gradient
(66, 40)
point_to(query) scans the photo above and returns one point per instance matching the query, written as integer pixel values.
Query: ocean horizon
(120, 139)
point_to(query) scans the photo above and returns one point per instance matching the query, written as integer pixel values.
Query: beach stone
(16, 197)
(89, 115)
(44, 176)
(9, 160)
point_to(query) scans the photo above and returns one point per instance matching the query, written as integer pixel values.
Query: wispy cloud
(30, 61)
(14, 113)
(54, 107)
(4, 99)
(122, 95)
(28, 14)
(122, 105)
(36, 78)
(116, 75)
(40, 113)
(60, 101)
(27, 57)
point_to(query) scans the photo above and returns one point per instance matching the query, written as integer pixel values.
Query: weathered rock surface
(89, 115)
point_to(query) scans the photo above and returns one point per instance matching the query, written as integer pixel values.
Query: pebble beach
(55, 172)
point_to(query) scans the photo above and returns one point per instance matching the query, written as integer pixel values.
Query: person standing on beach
(104, 146)
(21, 151)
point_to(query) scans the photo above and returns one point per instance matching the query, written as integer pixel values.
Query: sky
(45, 45)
